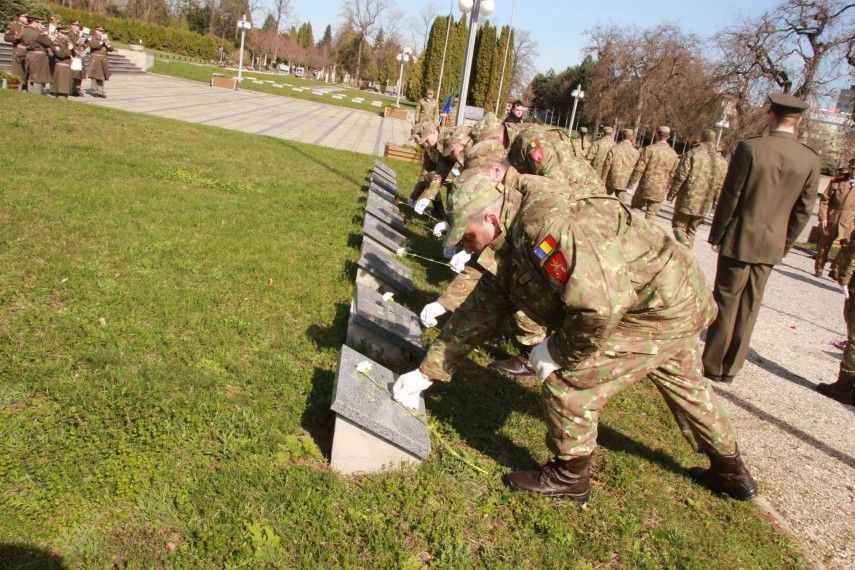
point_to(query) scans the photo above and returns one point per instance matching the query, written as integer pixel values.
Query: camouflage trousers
(621, 194)
(685, 227)
(418, 190)
(848, 363)
(573, 398)
(640, 204)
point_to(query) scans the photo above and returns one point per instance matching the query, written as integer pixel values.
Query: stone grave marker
(357, 100)
(373, 432)
(297, 89)
(380, 193)
(384, 183)
(385, 169)
(317, 92)
(376, 104)
(338, 97)
(278, 85)
(384, 330)
(384, 211)
(383, 234)
(381, 271)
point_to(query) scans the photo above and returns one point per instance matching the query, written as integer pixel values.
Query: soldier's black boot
(518, 366)
(843, 390)
(558, 478)
(727, 474)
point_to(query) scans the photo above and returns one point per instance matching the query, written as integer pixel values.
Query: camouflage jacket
(597, 154)
(427, 110)
(618, 166)
(653, 171)
(465, 282)
(599, 278)
(544, 151)
(435, 170)
(698, 180)
(581, 147)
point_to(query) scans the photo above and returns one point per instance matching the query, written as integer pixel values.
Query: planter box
(225, 83)
(12, 85)
(402, 153)
(393, 113)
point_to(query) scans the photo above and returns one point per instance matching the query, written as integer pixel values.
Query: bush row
(152, 36)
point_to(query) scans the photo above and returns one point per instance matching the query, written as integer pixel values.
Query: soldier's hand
(448, 252)
(823, 224)
(421, 205)
(458, 262)
(430, 312)
(408, 387)
(845, 291)
(716, 247)
(410, 202)
(542, 361)
(440, 228)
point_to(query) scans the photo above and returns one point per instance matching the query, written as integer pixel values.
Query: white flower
(364, 367)
(389, 297)
(401, 252)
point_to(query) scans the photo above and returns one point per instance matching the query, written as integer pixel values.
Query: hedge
(153, 36)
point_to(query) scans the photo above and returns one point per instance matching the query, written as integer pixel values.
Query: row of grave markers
(373, 432)
(337, 96)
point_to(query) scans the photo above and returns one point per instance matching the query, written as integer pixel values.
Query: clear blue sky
(559, 26)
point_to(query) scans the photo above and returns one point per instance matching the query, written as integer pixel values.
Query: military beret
(474, 195)
(452, 136)
(663, 130)
(484, 152)
(424, 129)
(708, 135)
(73, 22)
(786, 105)
(608, 130)
(583, 129)
(488, 124)
(627, 132)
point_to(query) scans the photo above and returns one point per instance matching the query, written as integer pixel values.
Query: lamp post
(576, 94)
(721, 124)
(505, 57)
(478, 8)
(244, 25)
(402, 59)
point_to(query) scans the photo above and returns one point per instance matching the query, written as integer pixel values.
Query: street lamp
(402, 59)
(478, 8)
(244, 25)
(721, 124)
(576, 94)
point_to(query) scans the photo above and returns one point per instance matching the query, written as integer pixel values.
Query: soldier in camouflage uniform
(427, 109)
(653, 172)
(622, 300)
(619, 164)
(843, 390)
(12, 35)
(596, 155)
(443, 149)
(696, 186)
(581, 145)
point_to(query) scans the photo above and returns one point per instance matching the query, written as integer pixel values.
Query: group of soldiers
(55, 55)
(597, 295)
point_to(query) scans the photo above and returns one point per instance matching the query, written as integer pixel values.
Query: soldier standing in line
(619, 164)
(596, 155)
(622, 301)
(427, 109)
(843, 390)
(38, 66)
(77, 75)
(12, 35)
(99, 69)
(63, 51)
(766, 200)
(696, 186)
(836, 218)
(581, 145)
(653, 172)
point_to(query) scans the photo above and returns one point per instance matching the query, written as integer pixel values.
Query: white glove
(844, 287)
(458, 262)
(421, 205)
(410, 201)
(448, 252)
(716, 248)
(409, 386)
(440, 228)
(455, 171)
(430, 312)
(542, 361)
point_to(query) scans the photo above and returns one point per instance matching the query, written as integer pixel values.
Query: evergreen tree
(506, 36)
(379, 39)
(483, 75)
(269, 23)
(326, 40)
(305, 37)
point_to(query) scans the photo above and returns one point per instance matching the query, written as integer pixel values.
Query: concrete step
(118, 63)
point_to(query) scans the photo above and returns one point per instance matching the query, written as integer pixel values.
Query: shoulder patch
(535, 151)
(545, 247)
(557, 267)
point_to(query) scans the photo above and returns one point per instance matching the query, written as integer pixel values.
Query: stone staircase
(118, 63)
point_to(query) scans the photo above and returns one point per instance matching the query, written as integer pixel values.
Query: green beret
(786, 105)
(473, 196)
(488, 124)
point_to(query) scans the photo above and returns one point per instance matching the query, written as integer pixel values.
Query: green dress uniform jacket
(12, 35)
(767, 198)
(698, 180)
(837, 207)
(61, 81)
(653, 171)
(98, 66)
(79, 51)
(38, 66)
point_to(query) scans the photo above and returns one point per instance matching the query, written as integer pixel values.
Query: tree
(523, 56)
(361, 16)
(326, 40)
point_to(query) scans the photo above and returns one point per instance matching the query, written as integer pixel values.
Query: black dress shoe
(727, 379)
(713, 377)
(518, 366)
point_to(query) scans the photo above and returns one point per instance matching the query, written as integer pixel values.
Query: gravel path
(799, 445)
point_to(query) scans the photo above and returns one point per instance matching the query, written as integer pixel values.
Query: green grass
(173, 301)
(199, 72)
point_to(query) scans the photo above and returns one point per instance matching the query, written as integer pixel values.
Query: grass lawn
(173, 301)
(200, 72)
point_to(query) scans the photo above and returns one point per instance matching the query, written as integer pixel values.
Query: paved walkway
(252, 112)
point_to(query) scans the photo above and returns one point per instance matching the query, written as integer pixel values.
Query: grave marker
(383, 234)
(387, 170)
(381, 271)
(384, 211)
(383, 183)
(380, 193)
(384, 330)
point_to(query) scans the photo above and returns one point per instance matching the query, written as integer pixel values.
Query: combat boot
(559, 477)
(727, 474)
(518, 366)
(843, 390)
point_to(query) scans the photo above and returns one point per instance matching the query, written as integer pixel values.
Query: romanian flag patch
(557, 267)
(546, 247)
(535, 151)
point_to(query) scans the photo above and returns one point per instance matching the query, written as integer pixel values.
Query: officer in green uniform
(836, 218)
(76, 35)
(37, 43)
(843, 390)
(768, 195)
(12, 35)
(99, 69)
(63, 52)
(622, 301)
(653, 172)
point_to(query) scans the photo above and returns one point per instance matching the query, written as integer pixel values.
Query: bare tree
(419, 25)
(362, 16)
(523, 57)
(283, 13)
